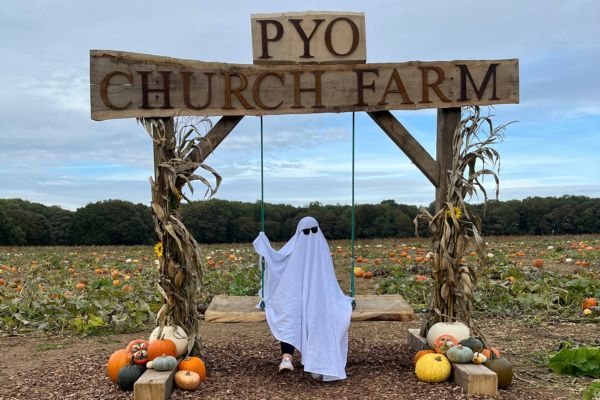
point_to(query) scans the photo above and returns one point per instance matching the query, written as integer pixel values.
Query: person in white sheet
(304, 305)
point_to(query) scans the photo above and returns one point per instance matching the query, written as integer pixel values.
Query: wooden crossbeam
(215, 136)
(408, 144)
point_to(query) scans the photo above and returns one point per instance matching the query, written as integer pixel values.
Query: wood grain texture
(408, 144)
(448, 120)
(235, 309)
(289, 48)
(154, 385)
(127, 85)
(475, 379)
(416, 341)
(215, 136)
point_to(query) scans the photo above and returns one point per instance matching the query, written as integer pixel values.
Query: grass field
(92, 290)
(63, 310)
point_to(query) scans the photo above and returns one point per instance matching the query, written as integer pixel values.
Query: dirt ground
(242, 363)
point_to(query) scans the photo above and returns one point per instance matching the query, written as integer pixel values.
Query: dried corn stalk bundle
(178, 251)
(453, 228)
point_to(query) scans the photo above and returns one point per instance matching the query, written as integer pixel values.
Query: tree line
(117, 222)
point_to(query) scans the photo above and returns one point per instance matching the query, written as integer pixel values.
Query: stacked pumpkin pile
(127, 365)
(451, 343)
(590, 306)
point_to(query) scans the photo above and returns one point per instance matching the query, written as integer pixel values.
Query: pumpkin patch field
(65, 310)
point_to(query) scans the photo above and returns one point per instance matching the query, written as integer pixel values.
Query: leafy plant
(592, 392)
(576, 362)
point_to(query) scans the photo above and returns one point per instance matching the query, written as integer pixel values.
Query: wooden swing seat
(233, 309)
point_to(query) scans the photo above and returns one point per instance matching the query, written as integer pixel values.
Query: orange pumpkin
(2, 282)
(538, 263)
(194, 364)
(421, 354)
(488, 352)
(116, 361)
(589, 303)
(444, 342)
(187, 380)
(137, 350)
(368, 275)
(157, 348)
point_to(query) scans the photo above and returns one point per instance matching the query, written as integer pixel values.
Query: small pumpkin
(538, 263)
(421, 354)
(474, 344)
(433, 368)
(479, 358)
(157, 348)
(488, 352)
(590, 302)
(116, 361)
(138, 349)
(164, 363)
(459, 354)
(187, 380)
(458, 330)
(194, 364)
(503, 369)
(444, 342)
(128, 375)
(174, 333)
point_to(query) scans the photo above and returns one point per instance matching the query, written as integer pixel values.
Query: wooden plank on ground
(475, 379)
(368, 308)
(388, 307)
(154, 385)
(234, 309)
(416, 341)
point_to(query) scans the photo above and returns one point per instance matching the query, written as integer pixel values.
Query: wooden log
(475, 379)
(154, 385)
(387, 307)
(416, 341)
(124, 85)
(408, 144)
(235, 309)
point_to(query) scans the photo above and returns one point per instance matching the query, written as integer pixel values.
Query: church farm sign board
(308, 37)
(304, 63)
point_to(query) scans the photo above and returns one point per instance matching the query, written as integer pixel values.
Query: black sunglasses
(314, 229)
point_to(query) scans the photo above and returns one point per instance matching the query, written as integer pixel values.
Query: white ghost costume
(304, 304)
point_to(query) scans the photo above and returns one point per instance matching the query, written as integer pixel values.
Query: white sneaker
(286, 365)
(316, 377)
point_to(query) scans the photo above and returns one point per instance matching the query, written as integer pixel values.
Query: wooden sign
(125, 85)
(309, 37)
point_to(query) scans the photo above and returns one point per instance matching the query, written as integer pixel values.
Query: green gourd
(459, 354)
(128, 375)
(474, 344)
(502, 368)
(164, 363)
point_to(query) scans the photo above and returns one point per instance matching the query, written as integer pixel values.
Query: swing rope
(352, 267)
(262, 217)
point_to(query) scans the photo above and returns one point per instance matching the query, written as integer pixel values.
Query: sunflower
(158, 249)
(457, 212)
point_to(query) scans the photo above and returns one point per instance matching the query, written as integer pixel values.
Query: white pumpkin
(174, 333)
(457, 329)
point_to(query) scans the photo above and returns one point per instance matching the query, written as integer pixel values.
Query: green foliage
(592, 392)
(221, 221)
(576, 362)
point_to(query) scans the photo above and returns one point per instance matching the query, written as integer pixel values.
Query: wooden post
(447, 121)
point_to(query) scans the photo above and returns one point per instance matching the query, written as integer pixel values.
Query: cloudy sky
(53, 153)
